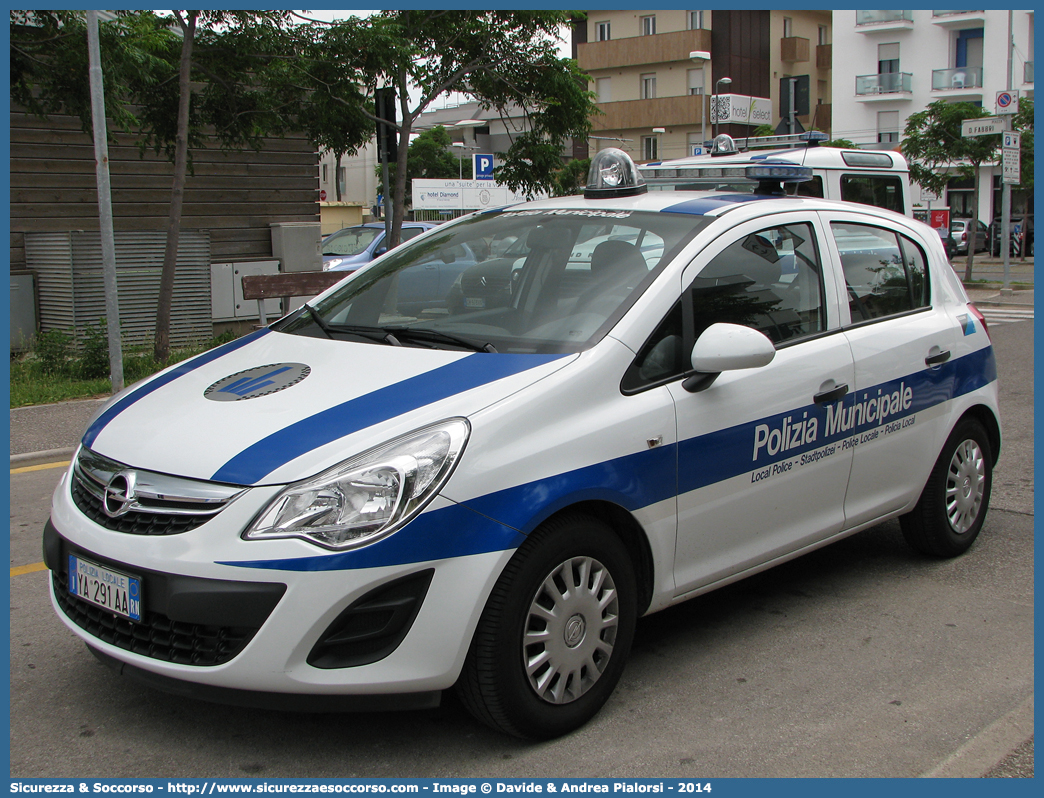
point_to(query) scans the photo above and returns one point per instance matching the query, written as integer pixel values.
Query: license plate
(474, 302)
(118, 593)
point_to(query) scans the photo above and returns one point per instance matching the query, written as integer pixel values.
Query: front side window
(770, 280)
(885, 272)
(522, 281)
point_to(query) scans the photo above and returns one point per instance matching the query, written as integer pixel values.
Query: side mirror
(379, 251)
(727, 347)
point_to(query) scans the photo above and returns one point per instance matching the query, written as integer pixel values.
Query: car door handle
(826, 397)
(937, 359)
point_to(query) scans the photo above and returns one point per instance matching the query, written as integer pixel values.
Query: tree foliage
(504, 59)
(936, 151)
(431, 158)
(841, 144)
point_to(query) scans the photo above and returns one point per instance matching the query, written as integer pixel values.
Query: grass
(52, 372)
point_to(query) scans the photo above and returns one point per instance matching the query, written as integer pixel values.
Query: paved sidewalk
(46, 433)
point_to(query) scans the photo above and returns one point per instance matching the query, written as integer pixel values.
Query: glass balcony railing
(958, 11)
(875, 17)
(888, 83)
(956, 79)
(1027, 72)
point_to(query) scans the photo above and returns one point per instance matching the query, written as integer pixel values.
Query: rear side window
(884, 191)
(885, 272)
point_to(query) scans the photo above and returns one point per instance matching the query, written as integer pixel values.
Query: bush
(52, 350)
(94, 355)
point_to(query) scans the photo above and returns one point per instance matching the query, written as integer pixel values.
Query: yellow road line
(42, 467)
(28, 569)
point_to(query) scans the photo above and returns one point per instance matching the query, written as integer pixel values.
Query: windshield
(350, 240)
(514, 281)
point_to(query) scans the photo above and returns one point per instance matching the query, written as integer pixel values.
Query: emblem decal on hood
(258, 381)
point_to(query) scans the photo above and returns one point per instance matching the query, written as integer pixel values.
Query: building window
(648, 26)
(602, 33)
(887, 58)
(650, 148)
(823, 36)
(342, 179)
(788, 27)
(695, 140)
(649, 86)
(603, 89)
(695, 81)
(696, 20)
(325, 178)
(887, 127)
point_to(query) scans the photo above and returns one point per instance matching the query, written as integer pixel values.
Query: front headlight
(368, 497)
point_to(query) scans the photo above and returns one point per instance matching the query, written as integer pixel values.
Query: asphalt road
(861, 659)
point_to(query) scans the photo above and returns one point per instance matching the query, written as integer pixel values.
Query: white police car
(365, 506)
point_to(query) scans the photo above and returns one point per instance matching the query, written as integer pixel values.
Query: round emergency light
(613, 174)
(723, 144)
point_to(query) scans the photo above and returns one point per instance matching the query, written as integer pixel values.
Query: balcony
(881, 21)
(889, 86)
(1027, 72)
(659, 112)
(824, 56)
(793, 49)
(958, 20)
(962, 82)
(641, 50)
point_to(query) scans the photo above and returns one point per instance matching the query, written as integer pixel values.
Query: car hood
(273, 408)
(343, 262)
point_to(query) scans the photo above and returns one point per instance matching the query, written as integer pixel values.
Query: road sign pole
(1005, 241)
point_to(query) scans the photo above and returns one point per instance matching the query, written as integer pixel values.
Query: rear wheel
(552, 641)
(953, 505)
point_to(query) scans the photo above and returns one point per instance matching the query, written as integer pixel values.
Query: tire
(953, 505)
(570, 579)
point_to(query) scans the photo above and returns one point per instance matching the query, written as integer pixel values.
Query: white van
(869, 177)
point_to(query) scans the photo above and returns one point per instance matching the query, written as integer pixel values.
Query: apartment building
(897, 62)
(655, 98)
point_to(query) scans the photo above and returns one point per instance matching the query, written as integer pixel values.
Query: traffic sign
(1007, 102)
(986, 126)
(322, 196)
(1011, 140)
(1011, 164)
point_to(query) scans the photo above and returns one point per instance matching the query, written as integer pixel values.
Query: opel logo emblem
(575, 630)
(119, 496)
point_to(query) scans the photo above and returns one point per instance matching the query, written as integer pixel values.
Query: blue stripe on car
(164, 379)
(705, 205)
(262, 458)
(632, 481)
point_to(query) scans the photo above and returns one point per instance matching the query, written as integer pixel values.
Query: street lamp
(699, 58)
(717, 107)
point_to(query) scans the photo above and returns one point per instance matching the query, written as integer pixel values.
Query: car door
(896, 416)
(758, 479)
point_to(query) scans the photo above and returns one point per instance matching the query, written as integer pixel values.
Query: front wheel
(953, 505)
(555, 633)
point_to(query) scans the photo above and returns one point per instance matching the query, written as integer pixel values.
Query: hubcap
(965, 486)
(570, 630)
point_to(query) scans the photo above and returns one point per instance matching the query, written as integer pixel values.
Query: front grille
(139, 502)
(157, 636)
(133, 523)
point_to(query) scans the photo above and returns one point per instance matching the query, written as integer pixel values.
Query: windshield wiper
(381, 335)
(429, 335)
(320, 322)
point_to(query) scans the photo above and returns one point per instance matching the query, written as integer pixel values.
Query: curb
(38, 458)
(989, 747)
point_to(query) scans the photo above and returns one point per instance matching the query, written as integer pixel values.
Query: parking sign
(483, 166)
(1007, 102)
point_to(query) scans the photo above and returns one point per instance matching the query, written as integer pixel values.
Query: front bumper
(217, 629)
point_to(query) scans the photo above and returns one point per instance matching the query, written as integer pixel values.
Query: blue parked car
(351, 247)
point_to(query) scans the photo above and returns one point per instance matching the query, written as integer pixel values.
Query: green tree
(842, 144)
(501, 58)
(572, 178)
(936, 151)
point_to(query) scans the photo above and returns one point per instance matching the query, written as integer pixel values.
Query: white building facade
(890, 64)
